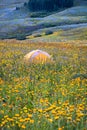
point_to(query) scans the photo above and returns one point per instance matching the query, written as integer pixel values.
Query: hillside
(16, 21)
(11, 3)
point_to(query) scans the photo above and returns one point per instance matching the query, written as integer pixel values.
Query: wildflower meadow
(50, 96)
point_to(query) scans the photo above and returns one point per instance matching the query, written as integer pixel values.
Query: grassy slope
(43, 97)
(17, 23)
(66, 25)
(10, 3)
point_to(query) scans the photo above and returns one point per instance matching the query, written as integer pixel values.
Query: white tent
(37, 56)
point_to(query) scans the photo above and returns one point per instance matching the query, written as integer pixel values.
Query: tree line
(49, 5)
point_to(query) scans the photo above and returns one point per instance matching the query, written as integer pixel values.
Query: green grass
(61, 35)
(75, 33)
(43, 96)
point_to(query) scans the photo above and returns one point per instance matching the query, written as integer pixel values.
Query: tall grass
(43, 96)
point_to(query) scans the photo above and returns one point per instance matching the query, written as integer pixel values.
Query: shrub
(17, 8)
(25, 3)
(38, 14)
(48, 32)
(20, 37)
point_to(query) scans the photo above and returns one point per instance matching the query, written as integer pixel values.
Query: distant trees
(69, 3)
(49, 5)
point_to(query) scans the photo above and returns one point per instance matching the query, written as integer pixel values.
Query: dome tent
(37, 56)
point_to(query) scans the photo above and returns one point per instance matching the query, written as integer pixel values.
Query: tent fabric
(37, 56)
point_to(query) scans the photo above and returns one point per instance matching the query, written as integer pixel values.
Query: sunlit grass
(44, 96)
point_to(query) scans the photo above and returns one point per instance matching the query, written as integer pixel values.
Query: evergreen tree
(49, 5)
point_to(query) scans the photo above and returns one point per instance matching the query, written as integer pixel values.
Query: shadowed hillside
(17, 21)
(6, 3)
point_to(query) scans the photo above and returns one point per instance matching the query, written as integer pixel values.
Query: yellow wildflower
(23, 126)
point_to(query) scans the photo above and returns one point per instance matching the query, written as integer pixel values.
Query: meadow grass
(43, 96)
(60, 35)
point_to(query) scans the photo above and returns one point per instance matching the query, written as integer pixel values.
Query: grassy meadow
(43, 96)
